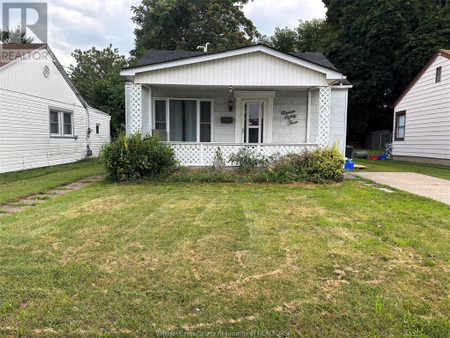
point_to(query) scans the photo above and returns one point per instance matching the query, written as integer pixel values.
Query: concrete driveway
(427, 186)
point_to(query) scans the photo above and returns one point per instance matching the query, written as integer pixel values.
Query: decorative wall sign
(290, 117)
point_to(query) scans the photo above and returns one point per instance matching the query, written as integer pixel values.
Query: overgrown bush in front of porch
(320, 166)
(247, 160)
(134, 157)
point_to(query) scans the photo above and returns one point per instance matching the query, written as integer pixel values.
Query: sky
(81, 24)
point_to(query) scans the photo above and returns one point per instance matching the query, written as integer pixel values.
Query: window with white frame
(97, 129)
(61, 123)
(183, 120)
(400, 125)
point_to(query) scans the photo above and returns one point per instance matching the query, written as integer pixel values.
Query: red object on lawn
(374, 157)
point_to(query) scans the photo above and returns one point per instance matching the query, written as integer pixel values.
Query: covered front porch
(196, 121)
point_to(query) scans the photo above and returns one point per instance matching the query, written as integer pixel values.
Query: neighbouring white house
(422, 115)
(256, 97)
(44, 121)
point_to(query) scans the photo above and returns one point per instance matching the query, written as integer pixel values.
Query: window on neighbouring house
(61, 123)
(400, 122)
(54, 123)
(97, 129)
(68, 124)
(438, 74)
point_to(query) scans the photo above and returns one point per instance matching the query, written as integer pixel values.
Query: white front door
(253, 122)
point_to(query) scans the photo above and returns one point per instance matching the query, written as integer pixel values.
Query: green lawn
(440, 171)
(14, 186)
(129, 260)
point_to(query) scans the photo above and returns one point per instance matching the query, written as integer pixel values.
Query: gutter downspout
(88, 132)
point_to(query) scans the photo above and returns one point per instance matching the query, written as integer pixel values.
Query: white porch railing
(202, 154)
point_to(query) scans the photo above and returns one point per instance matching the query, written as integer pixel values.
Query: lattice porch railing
(202, 154)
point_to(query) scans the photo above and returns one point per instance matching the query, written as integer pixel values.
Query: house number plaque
(290, 117)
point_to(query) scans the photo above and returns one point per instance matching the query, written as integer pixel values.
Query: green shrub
(131, 158)
(319, 166)
(247, 159)
(325, 165)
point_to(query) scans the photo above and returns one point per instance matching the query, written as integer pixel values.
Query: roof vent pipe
(204, 48)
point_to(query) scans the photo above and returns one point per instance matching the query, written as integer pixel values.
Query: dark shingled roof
(152, 57)
(317, 58)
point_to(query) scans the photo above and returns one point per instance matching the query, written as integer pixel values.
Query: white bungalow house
(44, 121)
(422, 115)
(254, 96)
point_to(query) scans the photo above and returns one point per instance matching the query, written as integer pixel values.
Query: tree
(97, 77)
(284, 39)
(312, 36)
(381, 45)
(186, 24)
(15, 35)
(309, 36)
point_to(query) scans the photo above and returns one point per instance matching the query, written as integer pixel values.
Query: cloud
(82, 24)
(268, 14)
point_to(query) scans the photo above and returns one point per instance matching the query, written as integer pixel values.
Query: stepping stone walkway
(355, 177)
(25, 203)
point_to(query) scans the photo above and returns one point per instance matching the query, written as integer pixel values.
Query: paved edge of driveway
(434, 188)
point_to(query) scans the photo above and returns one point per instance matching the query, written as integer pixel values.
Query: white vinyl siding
(254, 69)
(26, 99)
(24, 133)
(102, 121)
(427, 106)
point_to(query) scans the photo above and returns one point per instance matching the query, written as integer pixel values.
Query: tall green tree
(284, 39)
(312, 36)
(15, 35)
(97, 77)
(381, 45)
(309, 36)
(186, 24)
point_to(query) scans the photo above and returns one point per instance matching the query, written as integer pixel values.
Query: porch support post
(324, 116)
(308, 117)
(238, 120)
(150, 111)
(269, 121)
(135, 119)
